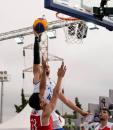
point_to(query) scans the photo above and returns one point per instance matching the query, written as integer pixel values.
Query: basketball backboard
(82, 9)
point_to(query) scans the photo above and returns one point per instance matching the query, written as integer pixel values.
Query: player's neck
(47, 77)
(104, 123)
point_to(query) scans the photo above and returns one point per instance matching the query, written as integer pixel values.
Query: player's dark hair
(34, 101)
(105, 109)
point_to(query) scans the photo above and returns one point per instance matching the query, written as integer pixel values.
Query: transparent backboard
(82, 9)
(82, 3)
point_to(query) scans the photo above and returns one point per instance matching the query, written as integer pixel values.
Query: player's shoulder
(97, 125)
(110, 124)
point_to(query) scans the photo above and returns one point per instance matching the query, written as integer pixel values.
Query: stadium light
(92, 26)
(19, 40)
(51, 34)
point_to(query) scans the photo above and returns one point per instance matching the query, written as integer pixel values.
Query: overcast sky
(89, 65)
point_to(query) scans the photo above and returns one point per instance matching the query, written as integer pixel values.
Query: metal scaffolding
(50, 57)
(28, 30)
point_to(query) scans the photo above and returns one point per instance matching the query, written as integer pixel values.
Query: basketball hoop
(75, 29)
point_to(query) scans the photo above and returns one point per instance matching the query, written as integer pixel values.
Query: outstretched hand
(61, 70)
(43, 63)
(36, 34)
(85, 113)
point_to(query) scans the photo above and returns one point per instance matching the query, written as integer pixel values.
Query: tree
(24, 102)
(69, 125)
(57, 111)
(77, 104)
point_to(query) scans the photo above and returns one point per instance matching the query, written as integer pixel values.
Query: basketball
(40, 25)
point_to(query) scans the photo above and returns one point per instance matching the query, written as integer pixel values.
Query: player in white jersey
(49, 87)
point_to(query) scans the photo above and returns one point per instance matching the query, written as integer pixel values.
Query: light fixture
(92, 26)
(19, 40)
(51, 34)
(3, 76)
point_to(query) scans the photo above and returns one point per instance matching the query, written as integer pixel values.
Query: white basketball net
(75, 29)
(75, 32)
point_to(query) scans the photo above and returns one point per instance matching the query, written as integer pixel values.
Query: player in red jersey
(104, 116)
(42, 119)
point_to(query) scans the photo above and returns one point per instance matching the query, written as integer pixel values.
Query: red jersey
(107, 127)
(35, 121)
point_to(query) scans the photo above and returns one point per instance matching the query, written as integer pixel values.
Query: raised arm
(60, 74)
(72, 105)
(43, 78)
(36, 62)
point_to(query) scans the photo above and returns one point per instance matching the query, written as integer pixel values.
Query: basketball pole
(3, 78)
(1, 102)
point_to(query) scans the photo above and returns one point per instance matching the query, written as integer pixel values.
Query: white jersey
(50, 84)
(36, 87)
